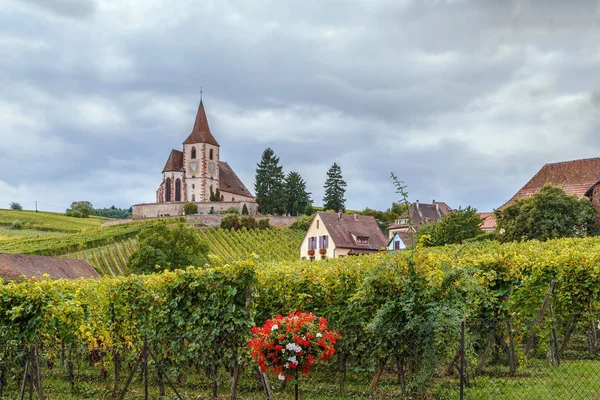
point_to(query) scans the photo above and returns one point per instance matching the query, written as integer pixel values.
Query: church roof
(175, 161)
(201, 132)
(229, 181)
(575, 177)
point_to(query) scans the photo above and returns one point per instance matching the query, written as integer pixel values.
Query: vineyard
(47, 221)
(270, 245)
(530, 308)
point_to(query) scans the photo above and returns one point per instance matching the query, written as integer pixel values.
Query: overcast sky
(463, 100)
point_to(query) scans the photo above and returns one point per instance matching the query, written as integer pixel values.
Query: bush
(15, 206)
(309, 210)
(248, 222)
(233, 210)
(75, 214)
(231, 221)
(190, 208)
(80, 209)
(264, 223)
(484, 237)
(245, 210)
(16, 225)
(302, 223)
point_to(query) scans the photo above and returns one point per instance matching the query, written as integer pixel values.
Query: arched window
(178, 190)
(222, 197)
(193, 197)
(233, 199)
(193, 153)
(168, 189)
(210, 154)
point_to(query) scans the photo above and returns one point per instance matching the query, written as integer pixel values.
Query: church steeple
(201, 131)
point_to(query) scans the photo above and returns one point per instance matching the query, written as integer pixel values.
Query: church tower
(200, 160)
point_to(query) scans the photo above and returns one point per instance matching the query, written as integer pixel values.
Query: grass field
(47, 221)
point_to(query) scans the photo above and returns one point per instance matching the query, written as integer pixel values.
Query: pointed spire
(201, 132)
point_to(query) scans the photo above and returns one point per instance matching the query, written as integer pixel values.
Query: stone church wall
(153, 210)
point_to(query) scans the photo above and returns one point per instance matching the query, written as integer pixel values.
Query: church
(197, 174)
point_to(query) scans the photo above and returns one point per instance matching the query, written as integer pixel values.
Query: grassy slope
(46, 221)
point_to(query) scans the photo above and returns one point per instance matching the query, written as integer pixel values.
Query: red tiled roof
(489, 220)
(342, 229)
(201, 131)
(174, 162)
(14, 266)
(575, 177)
(229, 181)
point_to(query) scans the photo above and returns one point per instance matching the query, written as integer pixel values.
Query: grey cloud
(67, 8)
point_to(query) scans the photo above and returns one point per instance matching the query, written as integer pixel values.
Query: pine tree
(296, 195)
(269, 184)
(217, 195)
(212, 194)
(335, 187)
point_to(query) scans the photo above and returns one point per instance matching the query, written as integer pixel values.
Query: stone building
(197, 174)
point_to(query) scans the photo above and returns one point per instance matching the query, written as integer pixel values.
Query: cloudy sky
(463, 100)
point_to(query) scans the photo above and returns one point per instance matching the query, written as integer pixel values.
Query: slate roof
(229, 181)
(174, 162)
(423, 213)
(575, 177)
(342, 229)
(14, 266)
(201, 132)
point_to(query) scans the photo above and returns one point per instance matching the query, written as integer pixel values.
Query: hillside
(39, 224)
(277, 245)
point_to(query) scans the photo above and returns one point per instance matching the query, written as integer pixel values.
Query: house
(401, 240)
(333, 235)
(417, 215)
(488, 223)
(576, 177)
(16, 266)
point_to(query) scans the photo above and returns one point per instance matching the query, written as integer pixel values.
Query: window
(312, 243)
(317, 224)
(210, 154)
(362, 240)
(193, 197)
(233, 199)
(193, 153)
(178, 190)
(168, 189)
(325, 242)
(397, 245)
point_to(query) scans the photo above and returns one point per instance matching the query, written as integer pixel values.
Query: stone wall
(154, 210)
(214, 220)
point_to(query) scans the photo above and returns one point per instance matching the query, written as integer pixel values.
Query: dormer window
(193, 153)
(362, 240)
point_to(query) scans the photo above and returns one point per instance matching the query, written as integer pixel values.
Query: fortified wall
(175, 209)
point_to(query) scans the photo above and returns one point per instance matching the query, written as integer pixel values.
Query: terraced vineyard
(270, 245)
(48, 221)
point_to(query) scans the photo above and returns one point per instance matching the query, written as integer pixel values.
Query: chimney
(355, 216)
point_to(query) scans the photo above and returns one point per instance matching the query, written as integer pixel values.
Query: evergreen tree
(296, 195)
(212, 194)
(269, 184)
(217, 195)
(335, 187)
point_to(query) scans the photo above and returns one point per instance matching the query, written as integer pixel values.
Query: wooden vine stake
(539, 317)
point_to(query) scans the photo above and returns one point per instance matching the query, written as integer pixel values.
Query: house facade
(401, 240)
(333, 235)
(419, 214)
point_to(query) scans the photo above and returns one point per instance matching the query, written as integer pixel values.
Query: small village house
(402, 232)
(333, 235)
(17, 266)
(488, 221)
(401, 240)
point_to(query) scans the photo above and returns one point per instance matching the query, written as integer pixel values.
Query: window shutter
(309, 239)
(327, 241)
(320, 242)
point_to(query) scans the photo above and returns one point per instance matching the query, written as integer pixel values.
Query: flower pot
(311, 252)
(322, 251)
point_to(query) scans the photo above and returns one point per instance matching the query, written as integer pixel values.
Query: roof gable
(14, 266)
(174, 162)
(423, 213)
(201, 131)
(574, 177)
(343, 228)
(229, 181)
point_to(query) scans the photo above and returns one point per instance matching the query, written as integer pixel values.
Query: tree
(335, 188)
(113, 212)
(80, 209)
(296, 196)
(550, 213)
(264, 223)
(212, 194)
(248, 222)
(217, 195)
(190, 208)
(231, 221)
(457, 226)
(309, 210)
(15, 206)
(270, 184)
(245, 210)
(163, 247)
(302, 223)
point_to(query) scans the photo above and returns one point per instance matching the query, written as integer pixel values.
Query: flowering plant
(311, 252)
(322, 251)
(292, 343)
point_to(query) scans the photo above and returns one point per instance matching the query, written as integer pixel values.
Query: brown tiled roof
(489, 220)
(175, 161)
(201, 131)
(423, 213)
(575, 177)
(14, 266)
(341, 231)
(229, 181)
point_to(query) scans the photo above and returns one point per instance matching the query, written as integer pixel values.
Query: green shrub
(484, 237)
(231, 221)
(245, 210)
(190, 208)
(248, 222)
(264, 223)
(16, 225)
(233, 210)
(302, 223)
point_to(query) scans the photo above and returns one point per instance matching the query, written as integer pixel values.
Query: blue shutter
(327, 241)
(320, 242)
(309, 239)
